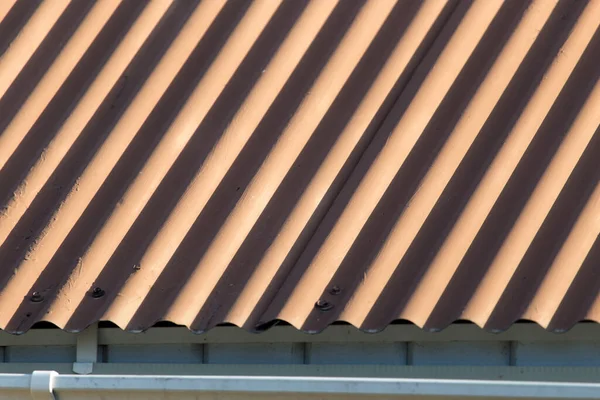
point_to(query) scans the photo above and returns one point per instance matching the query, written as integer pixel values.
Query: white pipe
(49, 384)
(340, 386)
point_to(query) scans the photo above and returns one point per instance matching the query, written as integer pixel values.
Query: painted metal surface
(529, 333)
(540, 374)
(247, 162)
(50, 385)
(457, 347)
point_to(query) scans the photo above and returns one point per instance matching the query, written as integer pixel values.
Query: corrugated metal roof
(247, 162)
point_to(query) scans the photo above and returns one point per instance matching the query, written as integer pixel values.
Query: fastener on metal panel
(335, 290)
(36, 297)
(323, 305)
(97, 292)
(137, 267)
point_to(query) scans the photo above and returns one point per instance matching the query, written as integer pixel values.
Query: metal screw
(137, 267)
(323, 305)
(335, 290)
(97, 292)
(36, 297)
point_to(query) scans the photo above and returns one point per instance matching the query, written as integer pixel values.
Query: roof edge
(289, 334)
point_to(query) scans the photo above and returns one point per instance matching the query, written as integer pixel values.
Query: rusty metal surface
(248, 162)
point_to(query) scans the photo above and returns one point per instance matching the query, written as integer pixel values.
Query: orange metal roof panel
(247, 162)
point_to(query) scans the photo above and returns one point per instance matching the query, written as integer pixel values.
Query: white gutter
(49, 385)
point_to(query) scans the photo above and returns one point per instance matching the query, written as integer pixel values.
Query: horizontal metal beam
(68, 387)
(287, 334)
(546, 374)
(347, 334)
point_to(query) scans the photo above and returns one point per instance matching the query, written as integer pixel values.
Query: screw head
(36, 297)
(335, 290)
(323, 305)
(97, 292)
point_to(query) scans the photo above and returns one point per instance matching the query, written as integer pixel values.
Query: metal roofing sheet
(253, 161)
